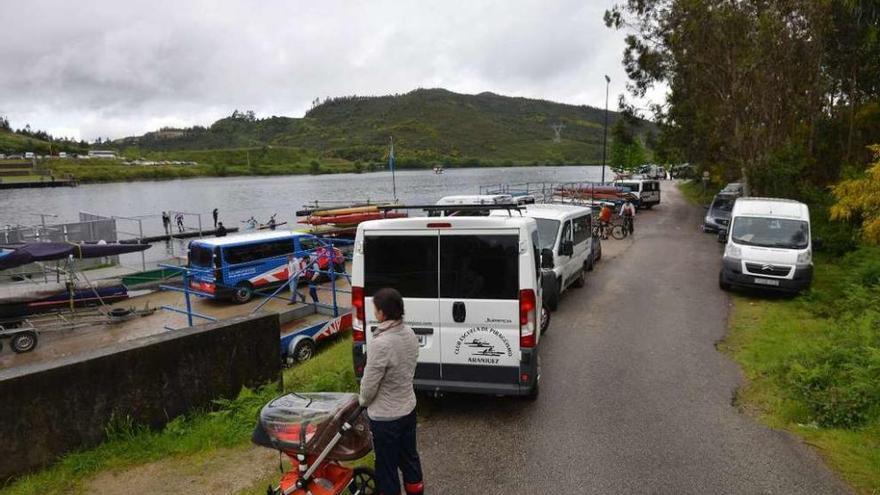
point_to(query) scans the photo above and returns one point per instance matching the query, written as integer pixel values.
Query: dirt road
(635, 398)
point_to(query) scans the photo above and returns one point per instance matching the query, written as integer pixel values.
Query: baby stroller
(318, 431)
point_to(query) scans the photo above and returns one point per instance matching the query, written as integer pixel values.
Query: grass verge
(229, 425)
(813, 364)
(693, 191)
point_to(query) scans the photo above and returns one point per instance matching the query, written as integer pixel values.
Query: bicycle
(623, 229)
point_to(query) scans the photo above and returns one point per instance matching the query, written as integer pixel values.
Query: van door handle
(423, 331)
(459, 312)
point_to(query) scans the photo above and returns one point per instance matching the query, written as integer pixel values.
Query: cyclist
(628, 213)
(605, 220)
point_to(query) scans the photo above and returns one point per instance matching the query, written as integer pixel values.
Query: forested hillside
(428, 126)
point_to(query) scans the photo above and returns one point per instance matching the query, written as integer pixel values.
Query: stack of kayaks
(343, 220)
(594, 192)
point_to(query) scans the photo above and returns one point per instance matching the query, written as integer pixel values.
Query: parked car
(472, 292)
(768, 245)
(647, 190)
(565, 236)
(718, 212)
(736, 188)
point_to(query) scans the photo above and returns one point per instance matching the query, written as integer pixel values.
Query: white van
(768, 245)
(648, 191)
(565, 234)
(472, 294)
(470, 200)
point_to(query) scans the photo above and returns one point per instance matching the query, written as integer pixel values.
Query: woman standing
(387, 393)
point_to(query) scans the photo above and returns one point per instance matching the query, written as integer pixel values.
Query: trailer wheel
(24, 342)
(304, 350)
(243, 293)
(545, 319)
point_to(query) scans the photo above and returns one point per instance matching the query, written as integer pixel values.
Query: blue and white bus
(234, 267)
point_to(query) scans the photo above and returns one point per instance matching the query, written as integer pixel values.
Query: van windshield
(633, 186)
(547, 229)
(723, 204)
(771, 232)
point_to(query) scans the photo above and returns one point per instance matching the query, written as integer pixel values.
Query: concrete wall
(51, 408)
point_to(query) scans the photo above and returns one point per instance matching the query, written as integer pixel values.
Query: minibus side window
(582, 231)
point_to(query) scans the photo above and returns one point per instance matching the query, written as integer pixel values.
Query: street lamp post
(605, 137)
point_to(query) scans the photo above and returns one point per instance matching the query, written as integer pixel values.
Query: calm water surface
(240, 197)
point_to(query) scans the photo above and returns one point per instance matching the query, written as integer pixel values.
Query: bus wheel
(243, 293)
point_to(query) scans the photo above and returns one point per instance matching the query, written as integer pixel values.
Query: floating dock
(179, 235)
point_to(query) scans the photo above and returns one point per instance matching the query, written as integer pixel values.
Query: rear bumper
(731, 273)
(529, 365)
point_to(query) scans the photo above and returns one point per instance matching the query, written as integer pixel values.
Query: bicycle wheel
(618, 232)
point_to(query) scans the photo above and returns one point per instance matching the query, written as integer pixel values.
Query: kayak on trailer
(24, 300)
(352, 218)
(345, 211)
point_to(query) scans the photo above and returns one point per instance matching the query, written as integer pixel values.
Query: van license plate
(423, 340)
(767, 281)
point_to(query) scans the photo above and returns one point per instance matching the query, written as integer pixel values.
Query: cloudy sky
(118, 68)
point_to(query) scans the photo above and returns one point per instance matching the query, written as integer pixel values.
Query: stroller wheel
(363, 482)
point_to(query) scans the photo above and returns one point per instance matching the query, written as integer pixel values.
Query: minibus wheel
(243, 293)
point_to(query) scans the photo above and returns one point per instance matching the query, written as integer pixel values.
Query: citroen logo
(766, 267)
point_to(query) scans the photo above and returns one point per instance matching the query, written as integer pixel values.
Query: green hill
(429, 126)
(14, 143)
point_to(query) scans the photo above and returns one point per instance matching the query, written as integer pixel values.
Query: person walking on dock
(294, 270)
(179, 218)
(215, 214)
(166, 222)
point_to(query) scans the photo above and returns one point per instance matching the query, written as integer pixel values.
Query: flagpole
(391, 166)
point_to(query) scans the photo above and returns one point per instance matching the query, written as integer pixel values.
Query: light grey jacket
(387, 384)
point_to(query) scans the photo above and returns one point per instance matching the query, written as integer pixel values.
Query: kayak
(345, 211)
(352, 218)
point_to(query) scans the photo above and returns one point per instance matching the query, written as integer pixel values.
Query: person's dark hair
(390, 302)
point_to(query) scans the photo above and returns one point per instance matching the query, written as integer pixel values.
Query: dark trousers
(395, 445)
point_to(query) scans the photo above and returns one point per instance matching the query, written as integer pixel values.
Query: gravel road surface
(634, 398)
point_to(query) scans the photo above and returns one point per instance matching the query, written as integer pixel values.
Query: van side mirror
(705, 207)
(818, 243)
(722, 235)
(566, 248)
(547, 258)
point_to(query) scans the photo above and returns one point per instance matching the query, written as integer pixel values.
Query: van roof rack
(505, 206)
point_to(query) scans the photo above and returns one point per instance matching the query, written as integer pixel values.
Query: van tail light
(527, 318)
(358, 332)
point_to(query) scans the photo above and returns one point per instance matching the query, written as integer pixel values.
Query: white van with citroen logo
(768, 245)
(472, 294)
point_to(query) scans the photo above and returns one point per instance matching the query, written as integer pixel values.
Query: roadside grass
(693, 191)
(813, 363)
(229, 425)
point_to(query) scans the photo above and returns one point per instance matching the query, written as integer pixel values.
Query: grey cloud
(117, 68)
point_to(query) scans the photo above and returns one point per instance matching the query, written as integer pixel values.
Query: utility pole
(605, 138)
(557, 129)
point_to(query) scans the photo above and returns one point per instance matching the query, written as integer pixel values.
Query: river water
(238, 198)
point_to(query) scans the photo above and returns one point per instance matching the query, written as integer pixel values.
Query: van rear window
(479, 267)
(200, 255)
(406, 263)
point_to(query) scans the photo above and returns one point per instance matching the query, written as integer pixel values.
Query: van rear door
(479, 306)
(406, 260)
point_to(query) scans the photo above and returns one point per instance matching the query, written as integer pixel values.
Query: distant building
(62, 154)
(102, 154)
(29, 155)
